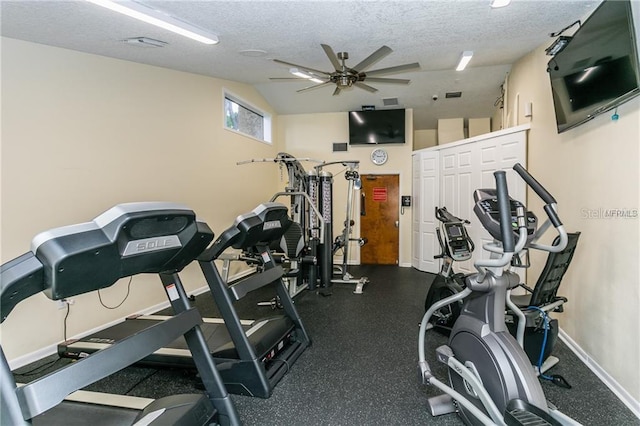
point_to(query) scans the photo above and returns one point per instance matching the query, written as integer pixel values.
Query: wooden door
(379, 219)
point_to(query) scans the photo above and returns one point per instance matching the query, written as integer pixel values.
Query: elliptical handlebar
(534, 184)
(549, 208)
(443, 215)
(509, 246)
(504, 210)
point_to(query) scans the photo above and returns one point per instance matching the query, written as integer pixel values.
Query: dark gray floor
(362, 366)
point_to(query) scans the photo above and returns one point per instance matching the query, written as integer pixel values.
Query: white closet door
(460, 172)
(448, 175)
(501, 154)
(426, 199)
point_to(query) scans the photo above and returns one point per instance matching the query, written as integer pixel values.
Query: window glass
(245, 119)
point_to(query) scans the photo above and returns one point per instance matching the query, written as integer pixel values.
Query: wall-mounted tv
(598, 69)
(376, 126)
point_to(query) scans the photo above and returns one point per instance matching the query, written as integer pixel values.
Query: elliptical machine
(455, 246)
(492, 381)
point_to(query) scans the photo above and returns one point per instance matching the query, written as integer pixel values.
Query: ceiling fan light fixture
(344, 81)
(159, 19)
(464, 60)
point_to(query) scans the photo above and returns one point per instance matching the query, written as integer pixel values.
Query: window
(246, 119)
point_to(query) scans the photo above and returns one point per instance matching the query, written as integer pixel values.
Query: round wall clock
(379, 156)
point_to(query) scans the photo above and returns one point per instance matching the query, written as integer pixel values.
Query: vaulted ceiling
(253, 33)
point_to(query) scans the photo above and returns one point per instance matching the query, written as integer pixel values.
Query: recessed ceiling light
(253, 53)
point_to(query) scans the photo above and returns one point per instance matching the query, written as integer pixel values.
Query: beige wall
(425, 138)
(81, 133)
(591, 167)
(312, 136)
(479, 126)
(450, 130)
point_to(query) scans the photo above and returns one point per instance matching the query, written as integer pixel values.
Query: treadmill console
(486, 209)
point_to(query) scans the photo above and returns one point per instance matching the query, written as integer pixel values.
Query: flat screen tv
(376, 127)
(598, 69)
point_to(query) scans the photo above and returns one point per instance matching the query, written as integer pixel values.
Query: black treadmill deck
(269, 337)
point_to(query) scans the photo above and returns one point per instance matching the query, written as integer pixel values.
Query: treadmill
(127, 240)
(252, 356)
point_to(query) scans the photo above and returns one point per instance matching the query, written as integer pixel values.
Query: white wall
(81, 133)
(588, 169)
(312, 136)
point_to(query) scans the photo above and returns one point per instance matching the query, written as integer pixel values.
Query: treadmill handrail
(253, 282)
(50, 390)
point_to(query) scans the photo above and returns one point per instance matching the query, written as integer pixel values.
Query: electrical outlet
(61, 303)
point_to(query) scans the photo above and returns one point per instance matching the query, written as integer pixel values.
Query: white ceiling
(433, 33)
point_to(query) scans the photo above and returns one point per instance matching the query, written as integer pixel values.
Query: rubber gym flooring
(362, 366)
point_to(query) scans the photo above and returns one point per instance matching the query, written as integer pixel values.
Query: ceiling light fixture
(159, 19)
(304, 74)
(464, 60)
(499, 3)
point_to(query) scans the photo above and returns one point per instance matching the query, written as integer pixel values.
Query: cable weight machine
(311, 209)
(302, 245)
(325, 204)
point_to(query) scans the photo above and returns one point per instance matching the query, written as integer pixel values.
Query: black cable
(557, 33)
(39, 369)
(64, 323)
(284, 361)
(140, 382)
(123, 300)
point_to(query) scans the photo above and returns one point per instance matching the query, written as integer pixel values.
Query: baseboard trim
(615, 387)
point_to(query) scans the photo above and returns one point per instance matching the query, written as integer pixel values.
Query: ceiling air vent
(390, 101)
(453, 95)
(145, 42)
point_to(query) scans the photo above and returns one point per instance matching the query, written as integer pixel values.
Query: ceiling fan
(344, 77)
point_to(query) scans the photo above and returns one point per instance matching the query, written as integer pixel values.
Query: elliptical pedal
(521, 413)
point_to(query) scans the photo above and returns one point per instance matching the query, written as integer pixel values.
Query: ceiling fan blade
(332, 56)
(315, 86)
(391, 70)
(365, 87)
(301, 66)
(337, 91)
(387, 80)
(373, 58)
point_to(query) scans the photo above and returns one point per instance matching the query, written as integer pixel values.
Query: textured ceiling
(433, 33)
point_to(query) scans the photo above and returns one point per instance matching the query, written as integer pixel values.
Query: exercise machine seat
(546, 288)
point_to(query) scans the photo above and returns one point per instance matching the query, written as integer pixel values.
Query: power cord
(556, 378)
(39, 369)
(123, 300)
(64, 323)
